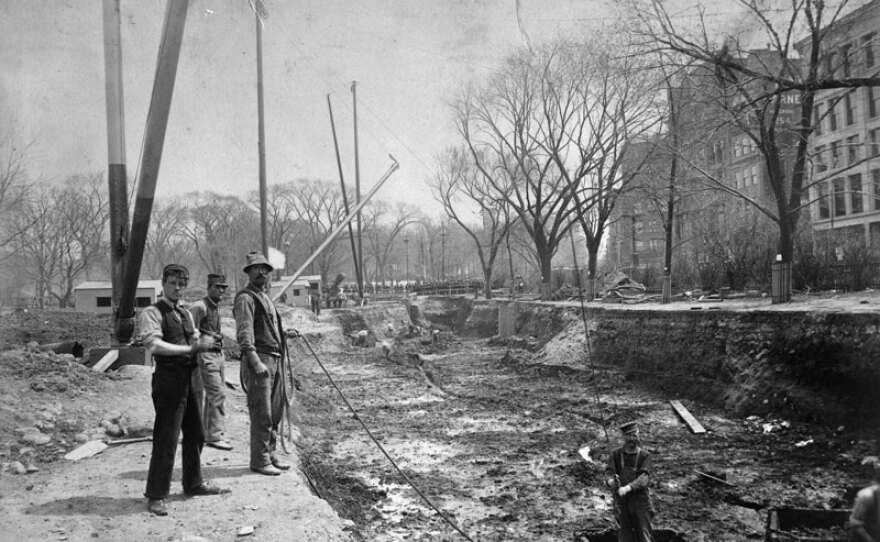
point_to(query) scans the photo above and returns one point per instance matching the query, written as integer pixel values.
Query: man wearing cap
(262, 339)
(206, 316)
(864, 521)
(167, 330)
(628, 475)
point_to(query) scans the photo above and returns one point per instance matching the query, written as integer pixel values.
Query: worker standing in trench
(864, 522)
(211, 394)
(167, 330)
(262, 339)
(628, 475)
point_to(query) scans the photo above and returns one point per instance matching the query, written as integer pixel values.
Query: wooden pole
(345, 222)
(357, 197)
(154, 142)
(354, 252)
(261, 137)
(117, 178)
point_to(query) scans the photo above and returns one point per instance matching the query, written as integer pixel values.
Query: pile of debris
(620, 287)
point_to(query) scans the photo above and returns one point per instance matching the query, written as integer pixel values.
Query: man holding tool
(628, 475)
(264, 364)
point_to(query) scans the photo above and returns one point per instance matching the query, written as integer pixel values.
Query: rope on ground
(385, 453)
(591, 364)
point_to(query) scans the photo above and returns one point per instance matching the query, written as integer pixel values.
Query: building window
(103, 302)
(819, 159)
(873, 101)
(851, 109)
(852, 150)
(874, 137)
(295, 292)
(144, 302)
(817, 119)
(855, 193)
(875, 179)
(831, 64)
(824, 209)
(845, 53)
(832, 116)
(839, 197)
(835, 154)
(868, 47)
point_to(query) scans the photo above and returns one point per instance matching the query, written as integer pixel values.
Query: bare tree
(752, 87)
(382, 226)
(506, 127)
(166, 239)
(220, 229)
(469, 201)
(319, 208)
(14, 185)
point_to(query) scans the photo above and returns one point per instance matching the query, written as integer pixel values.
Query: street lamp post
(406, 251)
(443, 234)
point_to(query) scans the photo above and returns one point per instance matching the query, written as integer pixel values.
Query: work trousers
(177, 410)
(265, 402)
(634, 513)
(211, 393)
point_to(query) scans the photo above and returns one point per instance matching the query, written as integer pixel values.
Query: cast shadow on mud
(92, 505)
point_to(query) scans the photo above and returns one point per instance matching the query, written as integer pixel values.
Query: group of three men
(188, 380)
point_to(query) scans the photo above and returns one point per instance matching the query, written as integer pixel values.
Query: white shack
(96, 295)
(298, 293)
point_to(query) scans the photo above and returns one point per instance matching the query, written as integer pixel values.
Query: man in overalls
(628, 475)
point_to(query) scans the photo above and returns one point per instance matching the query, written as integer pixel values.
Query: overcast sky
(409, 57)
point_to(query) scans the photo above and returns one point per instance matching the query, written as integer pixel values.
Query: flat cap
(216, 279)
(175, 269)
(629, 427)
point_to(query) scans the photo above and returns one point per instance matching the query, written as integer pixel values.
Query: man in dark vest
(628, 475)
(167, 330)
(262, 340)
(211, 393)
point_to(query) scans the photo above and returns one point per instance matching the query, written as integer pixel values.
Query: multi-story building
(845, 145)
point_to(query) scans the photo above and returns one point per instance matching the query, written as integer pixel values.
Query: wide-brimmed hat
(255, 258)
(216, 279)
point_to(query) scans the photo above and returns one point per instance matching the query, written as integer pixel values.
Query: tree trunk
(546, 259)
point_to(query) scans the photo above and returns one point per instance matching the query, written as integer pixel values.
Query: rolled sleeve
(149, 327)
(243, 310)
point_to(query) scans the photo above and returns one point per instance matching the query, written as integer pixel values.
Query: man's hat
(629, 428)
(255, 258)
(215, 279)
(175, 269)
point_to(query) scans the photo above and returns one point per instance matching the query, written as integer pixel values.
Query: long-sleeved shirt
(205, 315)
(626, 466)
(256, 330)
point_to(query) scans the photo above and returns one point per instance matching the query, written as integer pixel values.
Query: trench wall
(812, 366)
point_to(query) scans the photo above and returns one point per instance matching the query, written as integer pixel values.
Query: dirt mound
(19, 327)
(568, 348)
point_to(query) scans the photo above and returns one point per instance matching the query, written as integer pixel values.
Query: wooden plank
(88, 449)
(105, 362)
(688, 418)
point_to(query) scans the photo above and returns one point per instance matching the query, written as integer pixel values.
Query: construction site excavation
(445, 418)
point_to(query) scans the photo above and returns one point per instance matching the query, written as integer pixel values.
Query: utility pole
(117, 178)
(261, 128)
(357, 188)
(354, 251)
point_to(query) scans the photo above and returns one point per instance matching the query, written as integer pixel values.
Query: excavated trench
(508, 437)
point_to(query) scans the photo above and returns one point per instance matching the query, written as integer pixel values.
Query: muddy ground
(490, 432)
(492, 438)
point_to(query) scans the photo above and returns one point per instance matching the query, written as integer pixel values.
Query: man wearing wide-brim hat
(262, 339)
(211, 392)
(628, 475)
